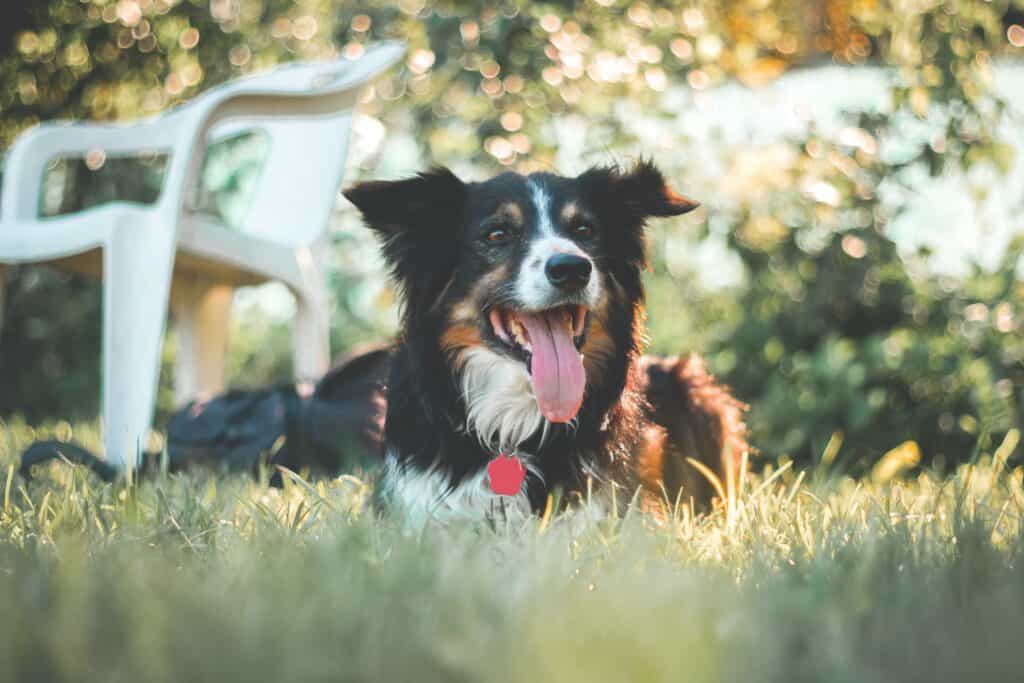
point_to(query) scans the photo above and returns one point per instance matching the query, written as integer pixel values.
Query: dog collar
(506, 474)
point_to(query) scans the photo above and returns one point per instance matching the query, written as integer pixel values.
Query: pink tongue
(558, 374)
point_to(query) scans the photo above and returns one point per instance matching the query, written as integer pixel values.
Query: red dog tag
(506, 474)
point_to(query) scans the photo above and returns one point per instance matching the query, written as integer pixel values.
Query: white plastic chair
(150, 256)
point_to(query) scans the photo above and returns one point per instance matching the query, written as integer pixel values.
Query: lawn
(814, 577)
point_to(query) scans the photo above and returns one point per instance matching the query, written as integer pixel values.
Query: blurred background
(852, 273)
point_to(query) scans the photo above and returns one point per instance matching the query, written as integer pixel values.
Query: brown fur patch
(464, 311)
(598, 350)
(570, 212)
(470, 309)
(650, 469)
(511, 211)
(703, 421)
(574, 214)
(725, 414)
(459, 337)
(640, 337)
(466, 315)
(684, 204)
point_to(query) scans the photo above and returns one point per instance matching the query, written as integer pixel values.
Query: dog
(521, 334)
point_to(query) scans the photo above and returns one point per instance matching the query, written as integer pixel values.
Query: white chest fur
(425, 495)
(501, 408)
(502, 412)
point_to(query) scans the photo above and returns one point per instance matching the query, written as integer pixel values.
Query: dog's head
(520, 274)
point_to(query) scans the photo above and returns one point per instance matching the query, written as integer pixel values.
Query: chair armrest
(34, 150)
(291, 91)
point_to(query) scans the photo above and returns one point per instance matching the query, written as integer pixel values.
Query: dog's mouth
(549, 343)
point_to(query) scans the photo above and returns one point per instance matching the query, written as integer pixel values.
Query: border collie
(521, 334)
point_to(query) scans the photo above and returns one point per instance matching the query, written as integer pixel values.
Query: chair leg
(311, 335)
(137, 266)
(202, 317)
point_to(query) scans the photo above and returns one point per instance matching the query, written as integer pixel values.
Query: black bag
(338, 427)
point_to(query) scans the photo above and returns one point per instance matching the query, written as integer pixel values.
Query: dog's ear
(392, 207)
(418, 220)
(625, 199)
(636, 194)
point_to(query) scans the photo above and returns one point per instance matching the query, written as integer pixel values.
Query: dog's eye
(498, 236)
(583, 231)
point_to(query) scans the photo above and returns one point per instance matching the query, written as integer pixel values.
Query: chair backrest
(308, 146)
(299, 177)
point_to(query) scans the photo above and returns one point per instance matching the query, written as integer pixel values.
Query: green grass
(202, 577)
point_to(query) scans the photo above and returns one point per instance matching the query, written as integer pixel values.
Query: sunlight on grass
(811, 577)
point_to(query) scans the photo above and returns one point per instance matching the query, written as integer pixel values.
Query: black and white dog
(521, 334)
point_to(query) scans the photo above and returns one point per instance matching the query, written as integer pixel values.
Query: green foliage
(835, 331)
(856, 345)
(50, 364)
(830, 330)
(490, 77)
(112, 60)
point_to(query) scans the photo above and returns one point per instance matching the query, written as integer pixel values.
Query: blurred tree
(831, 330)
(834, 331)
(14, 18)
(493, 75)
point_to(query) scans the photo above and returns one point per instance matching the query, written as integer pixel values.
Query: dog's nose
(568, 271)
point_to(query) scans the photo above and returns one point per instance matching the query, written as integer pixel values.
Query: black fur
(433, 229)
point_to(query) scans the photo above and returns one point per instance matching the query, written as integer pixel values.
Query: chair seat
(208, 248)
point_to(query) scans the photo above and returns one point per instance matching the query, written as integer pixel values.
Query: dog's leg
(703, 422)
